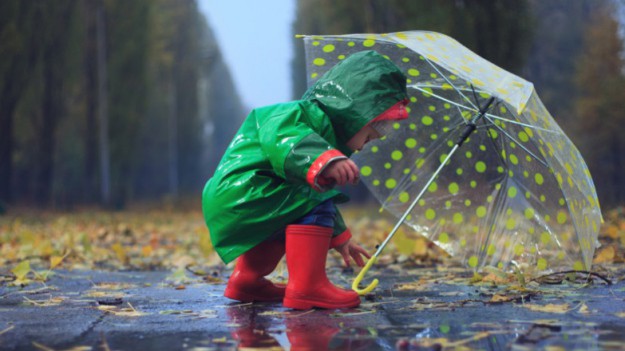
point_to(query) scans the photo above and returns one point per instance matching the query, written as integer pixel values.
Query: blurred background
(112, 102)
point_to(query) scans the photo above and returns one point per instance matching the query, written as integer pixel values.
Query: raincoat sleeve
(297, 144)
(341, 234)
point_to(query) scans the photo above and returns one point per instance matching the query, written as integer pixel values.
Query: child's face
(364, 136)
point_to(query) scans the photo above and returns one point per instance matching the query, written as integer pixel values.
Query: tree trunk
(173, 138)
(103, 118)
(91, 100)
(49, 114)
(7, 107)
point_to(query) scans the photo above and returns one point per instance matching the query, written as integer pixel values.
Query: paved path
(416, 309)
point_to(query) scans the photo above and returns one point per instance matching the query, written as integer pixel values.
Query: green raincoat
(269, 175)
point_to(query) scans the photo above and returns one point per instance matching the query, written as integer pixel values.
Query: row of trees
(571, 51)
(105, 101)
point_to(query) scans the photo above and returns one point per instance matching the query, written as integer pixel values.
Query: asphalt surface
(416, 309)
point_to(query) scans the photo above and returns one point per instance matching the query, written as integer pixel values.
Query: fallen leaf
(548, 308)
(52, 301)
(620, 314)
(21, 270)
(7, 330)
(129, 311)
(584, 309)
(501, 298)
(606, 254)
(56, 260)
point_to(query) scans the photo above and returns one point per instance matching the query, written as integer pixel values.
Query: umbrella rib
(415, 86)
(540, 160)
(450, 83)
(521, 123)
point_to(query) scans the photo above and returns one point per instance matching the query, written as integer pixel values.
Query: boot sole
(245, 297)
(303, 304)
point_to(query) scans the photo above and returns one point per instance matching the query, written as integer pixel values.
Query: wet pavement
(415, 309)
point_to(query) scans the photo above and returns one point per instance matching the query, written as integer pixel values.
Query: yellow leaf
(500, 298)
(612, 231)
(620, 314)
(404, 244)
(21, 270)
(55, 261)
(119, 251)
(584, 309)
(606, 254)
(146, 250)
(421, 247)
(549, 308)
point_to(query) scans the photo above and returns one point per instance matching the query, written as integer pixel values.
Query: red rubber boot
(308, 287)
(248, 283)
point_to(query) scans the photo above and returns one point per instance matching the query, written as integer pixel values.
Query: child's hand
(354, 250)
(341, 172)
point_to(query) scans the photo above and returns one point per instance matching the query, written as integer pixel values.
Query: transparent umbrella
(480, 167)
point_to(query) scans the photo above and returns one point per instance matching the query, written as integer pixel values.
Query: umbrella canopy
(516, 192)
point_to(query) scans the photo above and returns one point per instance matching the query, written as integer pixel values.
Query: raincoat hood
(356, 91)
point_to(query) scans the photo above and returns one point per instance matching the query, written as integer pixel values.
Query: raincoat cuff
(340, 239)
(317, 167)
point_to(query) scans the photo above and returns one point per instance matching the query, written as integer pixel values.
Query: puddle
(258, 329)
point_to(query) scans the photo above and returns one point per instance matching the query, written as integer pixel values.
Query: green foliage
(600, 81)
(157, 69)
(499, 30)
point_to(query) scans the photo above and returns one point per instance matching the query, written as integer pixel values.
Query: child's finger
(350, 174)
(346, 258)
(341, 176)
(356, 256)
(355, 171)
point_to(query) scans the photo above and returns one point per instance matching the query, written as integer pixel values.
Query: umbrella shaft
(414, 203)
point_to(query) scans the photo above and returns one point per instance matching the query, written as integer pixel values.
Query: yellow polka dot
(433, 187)
(366, 171)
(510, 223)
(562, 217)
(578, 266)
(545, 237)
(523, 137)
(473, 261)
(374, 149)
(328, 48)
(319, 61)
(519, 249)
(413, 72)
(529, 213)
(411, 143)
(458, 218)
(427, 120)
(514, 159)
(480, 211)
(443, 238)
(541, 264)
(404, 197)
(453, 188)
(480, 167)
(430, 214)
(491, 250)
(396, 155)
(368, 43)
(512, 192)
(390, 183)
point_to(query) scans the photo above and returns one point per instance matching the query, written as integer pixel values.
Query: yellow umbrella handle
(361, 275)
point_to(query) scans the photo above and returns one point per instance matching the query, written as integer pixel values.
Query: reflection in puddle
(253, 329)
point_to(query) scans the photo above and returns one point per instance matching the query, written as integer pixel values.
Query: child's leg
(307, 244)
(247, 282)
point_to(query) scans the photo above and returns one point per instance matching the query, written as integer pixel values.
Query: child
(273, 189)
